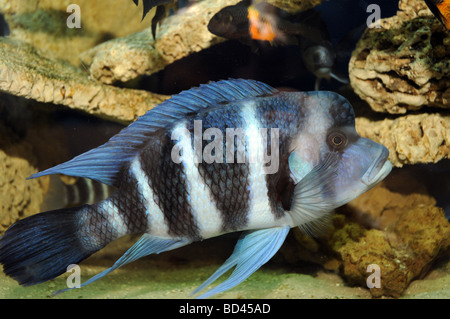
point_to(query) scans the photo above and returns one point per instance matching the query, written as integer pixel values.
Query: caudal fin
(40, 247)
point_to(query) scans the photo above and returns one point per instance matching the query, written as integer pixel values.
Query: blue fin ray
(145, 246)
(310, 212)
(105, 162)
(253, 250)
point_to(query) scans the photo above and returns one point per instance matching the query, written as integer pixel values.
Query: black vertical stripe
(71, 195)
(100, 191)
(84, 189)
(130, 203)
(99, 226)
(230, 189)
(228, 182)
(168, 182)
(287, 115)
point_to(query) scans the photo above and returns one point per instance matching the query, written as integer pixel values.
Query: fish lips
(379, 168)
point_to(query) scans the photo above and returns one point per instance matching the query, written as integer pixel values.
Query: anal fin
(145, 246)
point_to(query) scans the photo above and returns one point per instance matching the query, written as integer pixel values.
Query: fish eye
(337, 140)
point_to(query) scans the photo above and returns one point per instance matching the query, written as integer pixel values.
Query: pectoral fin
(311, 205)
(298, 167)
(253, 250)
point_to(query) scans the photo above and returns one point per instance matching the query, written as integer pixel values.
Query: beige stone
(396, 226)
(19, 197)
(24, 72)
(410, 139)
(43, 24)
(295, 5)
(179, 35)
(404, 65)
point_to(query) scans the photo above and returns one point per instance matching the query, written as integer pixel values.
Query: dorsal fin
(105, 162)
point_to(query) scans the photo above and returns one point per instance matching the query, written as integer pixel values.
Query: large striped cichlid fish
(229, 156)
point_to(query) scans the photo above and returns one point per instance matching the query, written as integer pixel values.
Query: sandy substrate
(175, 275)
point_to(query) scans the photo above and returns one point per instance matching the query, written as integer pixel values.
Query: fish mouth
(378, 170)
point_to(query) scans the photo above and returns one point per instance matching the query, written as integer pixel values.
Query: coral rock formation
(43, 24)
(24, 72)
(405, 64)
(126, 58)
(18, 197)
(413, 234)
(411, 139)
(405, 235)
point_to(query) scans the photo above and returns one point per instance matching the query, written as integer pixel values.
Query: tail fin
(40, 247)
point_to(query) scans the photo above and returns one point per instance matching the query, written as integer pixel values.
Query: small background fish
(157, 9)
(278, 65)
(65, 191)
(4, 27)
(325, 35)
(248, 22)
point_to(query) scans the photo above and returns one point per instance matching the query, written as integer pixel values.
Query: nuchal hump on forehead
(323, 164)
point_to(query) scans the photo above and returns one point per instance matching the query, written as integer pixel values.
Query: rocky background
(399, 85)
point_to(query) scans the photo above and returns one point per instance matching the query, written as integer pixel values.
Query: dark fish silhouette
(4, 27)
(159, 14)
(441, 10)
(250, 23)
(149, 4)
(261, 22)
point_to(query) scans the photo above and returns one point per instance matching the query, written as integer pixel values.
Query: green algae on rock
(395, 226)
(43, 24)
(404, 65)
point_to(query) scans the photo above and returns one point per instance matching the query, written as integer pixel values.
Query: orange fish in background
(247, 21)
(441, 10)
(261, 26)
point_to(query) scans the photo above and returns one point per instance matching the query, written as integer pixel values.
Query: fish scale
(230, 193)
(227, 183)
(167, 181)
(173, 204)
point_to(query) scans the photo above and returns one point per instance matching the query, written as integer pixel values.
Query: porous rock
(29, 142)
(294, 6)
(410, 139)
(412, 234)
(25, 72)
(405, 64)
(19, 198)
(395, 228)
(179, 35)
(43, 24)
